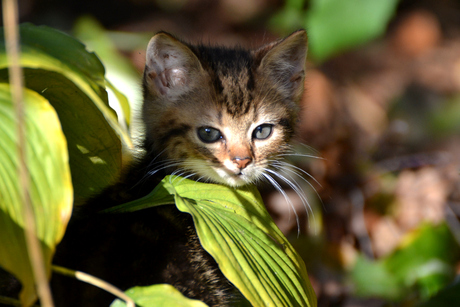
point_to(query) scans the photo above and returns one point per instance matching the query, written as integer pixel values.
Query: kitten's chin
(222, 175)
(231, 179)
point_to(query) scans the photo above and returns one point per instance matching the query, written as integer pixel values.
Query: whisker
(163, 165)
(185, 177)
(295, 186)
(299, 172)
(307, 147)
(179, 173)
(302, 155)
(280, 189)
(289, 168)
(156, 157)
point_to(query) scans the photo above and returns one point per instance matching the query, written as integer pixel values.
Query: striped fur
(248, 99)
(232, 90)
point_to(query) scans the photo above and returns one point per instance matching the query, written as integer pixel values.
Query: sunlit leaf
(50, 185)
(45, 48)
(236, 229)
(119, 70)
(161, 295)
(60, 69)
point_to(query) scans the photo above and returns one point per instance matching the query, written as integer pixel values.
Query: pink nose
(242, 162)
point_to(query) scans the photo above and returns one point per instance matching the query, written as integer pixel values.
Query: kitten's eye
(208, 134)
(262, 132)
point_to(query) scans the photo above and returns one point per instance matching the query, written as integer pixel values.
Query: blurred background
(379, 132)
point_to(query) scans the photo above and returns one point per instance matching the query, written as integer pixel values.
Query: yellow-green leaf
(161, 295)
(45, 48)
(236, 229)
(59, 68)
(50, 187)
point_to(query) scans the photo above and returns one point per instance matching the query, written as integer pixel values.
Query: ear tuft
(171, 68)
(284, 62)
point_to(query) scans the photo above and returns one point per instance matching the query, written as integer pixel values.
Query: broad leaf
(158, 296)
(50, 185)
(236, 229)
(45, 48)
(119, 70)
(60, 69)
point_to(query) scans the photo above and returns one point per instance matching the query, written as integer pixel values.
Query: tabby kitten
(215, 114)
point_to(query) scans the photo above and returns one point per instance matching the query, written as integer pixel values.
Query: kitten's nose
(242, 162)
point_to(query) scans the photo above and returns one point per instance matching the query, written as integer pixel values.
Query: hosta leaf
(45, 48)
(236, 229)
(119, 70)
(50, 185)
(161, 295)
(60, 69)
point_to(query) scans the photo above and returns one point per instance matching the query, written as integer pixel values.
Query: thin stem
(10, 17)
(95, 282)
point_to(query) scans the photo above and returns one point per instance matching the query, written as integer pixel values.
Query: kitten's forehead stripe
(219, 117)
(232, 77)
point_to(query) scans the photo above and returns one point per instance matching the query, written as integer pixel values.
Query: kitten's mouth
(237, 179)
(230, 178)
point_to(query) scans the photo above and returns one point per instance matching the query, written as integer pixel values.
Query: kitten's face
(223, 115)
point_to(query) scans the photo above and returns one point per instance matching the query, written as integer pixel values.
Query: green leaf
(45, 48)
(119, 70)
(50, 185)
(426, 259)
(59, 68)
(236, 229)
(423, 263)
(371, 278)
(157, 296)
(336, 25)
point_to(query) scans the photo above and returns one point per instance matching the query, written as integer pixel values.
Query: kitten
(214, 114)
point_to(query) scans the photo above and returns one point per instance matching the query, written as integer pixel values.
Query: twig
(95, 282)
(10, 17)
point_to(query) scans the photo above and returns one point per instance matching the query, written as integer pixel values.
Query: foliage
(61, 79)
(60, 69)
(424, 263)
(50, 185)
(72, 130)
(158, 295)
(335, 25)
(235, 228)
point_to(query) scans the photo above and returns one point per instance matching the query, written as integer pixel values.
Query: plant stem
(95, 282)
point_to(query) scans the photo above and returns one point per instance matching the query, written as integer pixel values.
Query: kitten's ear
(284, 62)
(171, 68)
